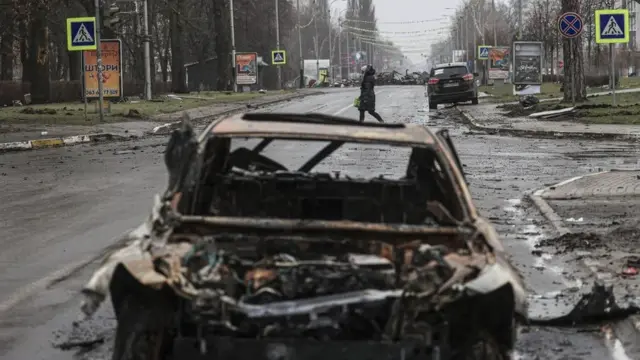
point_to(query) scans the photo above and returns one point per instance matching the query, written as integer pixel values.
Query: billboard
(527, 63)
(111, 71)
(313, 66)
(499, 62)
(246, 68)
(459, 56)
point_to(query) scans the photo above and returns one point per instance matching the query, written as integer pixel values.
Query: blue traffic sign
(278, 57)
(570, 24)
(612, 26)
(483, 52)
(81, 34)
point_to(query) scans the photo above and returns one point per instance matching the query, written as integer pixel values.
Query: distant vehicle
(452, 83)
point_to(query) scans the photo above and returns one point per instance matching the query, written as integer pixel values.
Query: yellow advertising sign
(111, 70)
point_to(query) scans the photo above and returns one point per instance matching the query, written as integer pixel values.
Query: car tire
(484, 347)
(139, 335)
(433, 106)
(474, 101)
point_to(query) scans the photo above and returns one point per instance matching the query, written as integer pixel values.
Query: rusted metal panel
(291, 226)
(411, 135)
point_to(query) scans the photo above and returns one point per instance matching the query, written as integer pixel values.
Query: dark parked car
(452, 83)
(247, 257)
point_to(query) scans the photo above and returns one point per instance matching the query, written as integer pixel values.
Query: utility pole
(99, 61)
(466, 36)
(278, 44)
(300, 44)
(315, 25)
(330, 48)
(147, 52)
(493, 17)
(475, 49)
(519, 32)
(348, 56)
(340, 46)
(233, 46)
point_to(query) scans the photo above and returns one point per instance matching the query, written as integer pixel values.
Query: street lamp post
(233, 47)
(278, 44)
(330, 49)
(466, 38)
(300, 44)
(340, 46)
(147, 53)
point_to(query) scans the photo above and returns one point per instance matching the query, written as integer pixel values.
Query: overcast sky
(437, 11)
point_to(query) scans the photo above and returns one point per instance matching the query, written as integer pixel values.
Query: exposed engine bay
(249, 288)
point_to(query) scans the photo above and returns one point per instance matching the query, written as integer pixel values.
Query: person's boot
(377, 116)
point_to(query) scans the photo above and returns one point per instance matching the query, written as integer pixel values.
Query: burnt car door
(446, 138)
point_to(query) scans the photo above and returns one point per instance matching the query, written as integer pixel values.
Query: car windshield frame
(331, 147)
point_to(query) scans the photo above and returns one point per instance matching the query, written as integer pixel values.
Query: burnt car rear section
(243, 257)
(451, 83)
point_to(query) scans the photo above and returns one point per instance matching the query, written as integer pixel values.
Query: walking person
(368, 94)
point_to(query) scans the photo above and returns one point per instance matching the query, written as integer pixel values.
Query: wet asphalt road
(64, 205)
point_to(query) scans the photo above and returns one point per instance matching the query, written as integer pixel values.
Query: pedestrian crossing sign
(81, 34)
(278, 57)
(612, 26)
(483, 52)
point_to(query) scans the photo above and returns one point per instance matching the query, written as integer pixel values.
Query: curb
(59, 142)
(166, 128)
(470, 121)
(627, 330)
(538, 199)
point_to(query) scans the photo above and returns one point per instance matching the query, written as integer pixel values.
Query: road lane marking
(26, 292)
(350, 106)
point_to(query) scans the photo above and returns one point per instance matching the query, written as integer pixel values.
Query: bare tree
(574, 68)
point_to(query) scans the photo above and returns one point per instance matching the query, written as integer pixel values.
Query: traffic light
(111, 18)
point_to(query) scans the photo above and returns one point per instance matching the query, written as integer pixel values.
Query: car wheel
(139, 334)
(433, 106)
(474, 101)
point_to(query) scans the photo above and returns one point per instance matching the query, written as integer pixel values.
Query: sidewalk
(598, 217)
(489, 118)
(16, 137)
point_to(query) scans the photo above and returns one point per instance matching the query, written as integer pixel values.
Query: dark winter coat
(367, 93)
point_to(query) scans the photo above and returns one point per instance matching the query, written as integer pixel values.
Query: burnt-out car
(245, 258)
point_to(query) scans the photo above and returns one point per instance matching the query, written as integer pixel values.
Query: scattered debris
(529, 100)
(630, 271)
(552, 113)
(44, 111)
(595, 305)
(573, 241)
(134, 113)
